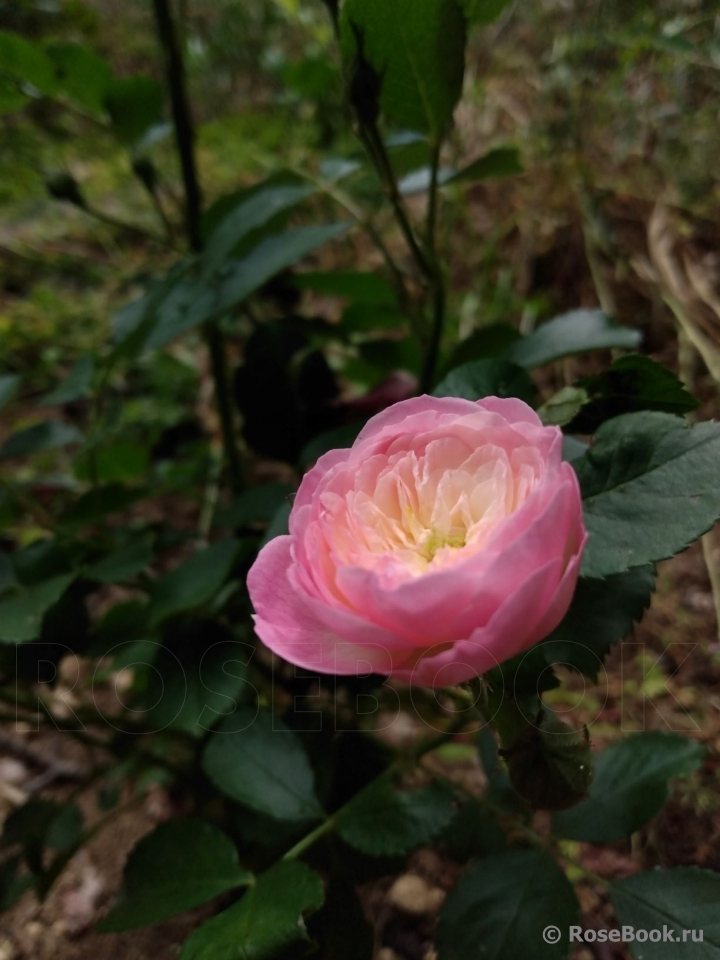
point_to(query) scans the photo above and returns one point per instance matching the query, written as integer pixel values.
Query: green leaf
(500, 162)
(369, 318)
(49, 435)
(180, 865)
(503, 904)
(602, 612)
(7, 573)
(9, 384)
(486, 343)
(563, 407)
(650, 488)
(419, 181)
(576, 332)
(120, 460)
(194, 582)
(418, 49)
(631, 384)
(256, 760)
(257, 505)
(279, 526)
(95, 505)
(12, 884)
(384, 821)
(630, 786)
(21, 615)
(268, 919)
(262, 205)
(83, 76)
(124, 563)
(25, 62)
(75, 386)
(189, 303)
(199, 675)
(473, 833)
(486, 378)
(355, 285)
(66, 829)
(134, 104)
(336, 439)
(683, 899)
(483, 12)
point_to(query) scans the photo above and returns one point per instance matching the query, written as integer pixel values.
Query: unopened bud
(365, 84)
(63, 186)
(144, 170)
(550, 764)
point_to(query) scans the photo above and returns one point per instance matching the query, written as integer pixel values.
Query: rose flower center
(426, 507)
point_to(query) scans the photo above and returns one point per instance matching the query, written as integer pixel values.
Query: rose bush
(447, 539)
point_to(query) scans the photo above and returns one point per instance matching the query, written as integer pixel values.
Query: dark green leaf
(26, 63)
(486, 343)
(189, 303)
(74, 386)
(125, 563)
(499, 789)
(602, 612)
(279, 525)
(256, 760)
(194, 582)
(257, 505)
(483, 12)
(178, 866)
(367, 288)
(65, 830)
(650, 488)
(631, 384)
(95, 505)
(49, 435)
(21, 614)
(135, 104)
(120, 460)
(630, 786)
(486, 378)
(83, 76)
(9, 384)
(574, 332)
(417, 47)
(12, 884)
(268, 919)
(503, 904)
(501, 162)
(473, 833)
(260, 207)
(7, 573)
(384, 821)
(335, 439)
(683, 899)
(369, 318)
(199, 675)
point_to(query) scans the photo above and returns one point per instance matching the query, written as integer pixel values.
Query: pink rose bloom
(447, 539)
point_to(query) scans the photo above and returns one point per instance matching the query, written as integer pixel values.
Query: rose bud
(447, 539)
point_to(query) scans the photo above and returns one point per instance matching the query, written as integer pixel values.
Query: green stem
(437, 280)
(309, 839)
(410, 759)
(185, 139)
(111, 221)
